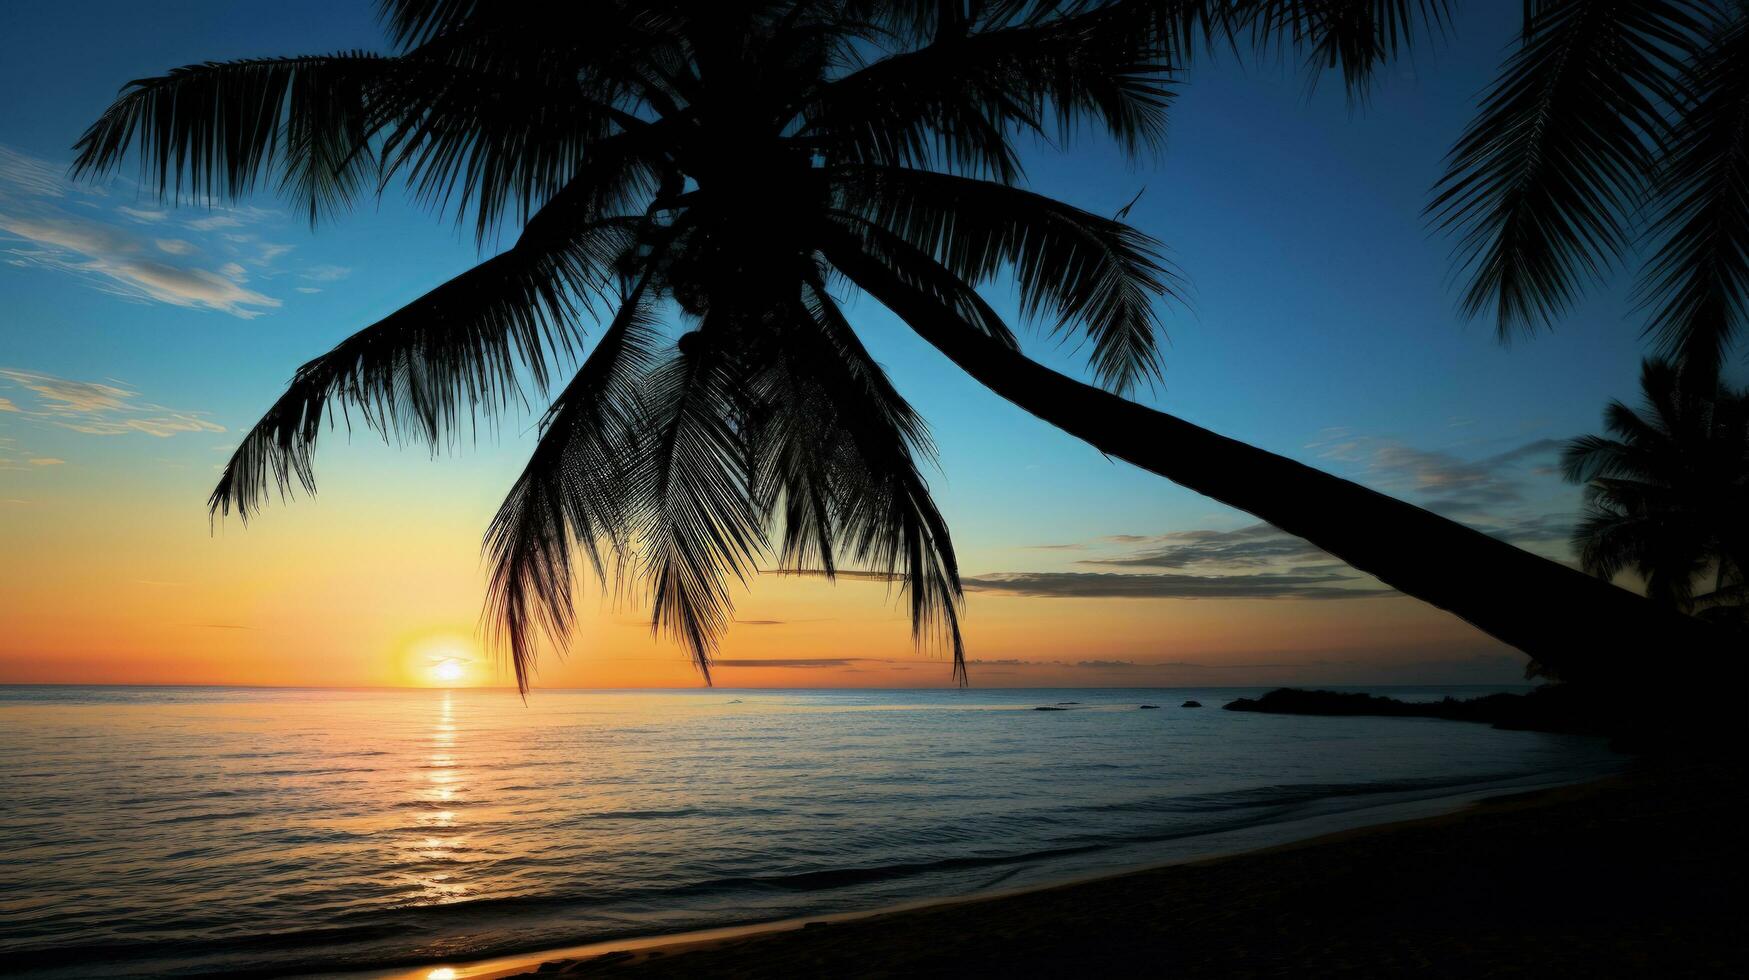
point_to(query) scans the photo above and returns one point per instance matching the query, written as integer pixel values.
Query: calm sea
(149, 831)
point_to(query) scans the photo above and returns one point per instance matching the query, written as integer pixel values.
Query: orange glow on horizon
(387, 593)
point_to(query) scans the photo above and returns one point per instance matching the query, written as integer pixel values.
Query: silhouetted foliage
(697, 156)
(1615, 126)
(1668, 496)
(732, 167)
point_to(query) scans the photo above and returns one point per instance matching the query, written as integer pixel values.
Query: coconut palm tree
(1668, 496)
(1614, 128)
(738, 166)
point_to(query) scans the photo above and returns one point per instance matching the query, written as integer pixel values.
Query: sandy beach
(1635, 875)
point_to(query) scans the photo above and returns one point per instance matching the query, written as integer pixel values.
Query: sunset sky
(137, 342)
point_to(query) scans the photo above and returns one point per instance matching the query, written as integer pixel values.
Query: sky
(138, 341)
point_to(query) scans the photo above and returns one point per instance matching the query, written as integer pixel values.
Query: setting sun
(448, 671)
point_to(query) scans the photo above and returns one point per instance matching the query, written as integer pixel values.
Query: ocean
(231, 831)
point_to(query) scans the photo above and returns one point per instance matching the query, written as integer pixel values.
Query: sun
(448, 671)
(447, 658)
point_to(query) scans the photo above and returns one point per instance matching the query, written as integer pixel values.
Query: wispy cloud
(214, 222)
(1441, 480)
(1244, 549)
(140, 214)
(124, 264)
(326, 273)
(816, 662)
(47, 222)
(98, 408)
(1107, 585)
(26, 176)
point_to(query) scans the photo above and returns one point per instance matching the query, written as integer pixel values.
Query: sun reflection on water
(441, 840)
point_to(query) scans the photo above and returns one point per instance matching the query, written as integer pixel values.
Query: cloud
(326, 273)
(1247, 548)
(62, 395)
(123, 263)
(160, 426)
(29, 176)
(97, 408)
(47, 461)
(214, 222)
(150, 217)
(1443, 481)
(1107, 585)
(793, 662)
(6, 405)
(849, 573)
(49, 222)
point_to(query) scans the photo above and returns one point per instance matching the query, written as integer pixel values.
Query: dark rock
(1145, 707)
(1046, 707)
(1191, 704)
(1550, 708)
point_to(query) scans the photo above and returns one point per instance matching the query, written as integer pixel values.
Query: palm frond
(212, 131)
(572, 492)
(1696, 283)
(952, 102)
(919, 270)
(1539, 187)
(458, 349)
(415, 22)
(1090, 273)
(885, 510)
(1353, 37)
(699, 529)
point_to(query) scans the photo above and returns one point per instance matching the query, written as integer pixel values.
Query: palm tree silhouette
(739, 161)
(1668, 496)
(1613, 128)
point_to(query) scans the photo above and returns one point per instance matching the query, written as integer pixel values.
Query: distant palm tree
(738, 162)
(1615, 126)
(1668, 496)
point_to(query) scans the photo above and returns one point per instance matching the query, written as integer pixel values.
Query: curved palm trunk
(1583, 628)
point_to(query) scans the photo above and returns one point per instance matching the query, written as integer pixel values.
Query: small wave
(204, 817)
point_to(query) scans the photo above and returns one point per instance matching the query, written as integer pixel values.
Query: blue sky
(1321, 323)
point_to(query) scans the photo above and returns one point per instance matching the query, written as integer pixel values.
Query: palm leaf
(1084, 270)
(211, 131)
(460, 347)
(571, 492)
(699, 529)
(1696, 284)
(1539, 187)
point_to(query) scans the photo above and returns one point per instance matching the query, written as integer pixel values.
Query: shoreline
(1384, 817)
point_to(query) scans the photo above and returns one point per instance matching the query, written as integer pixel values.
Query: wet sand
(1637, 875)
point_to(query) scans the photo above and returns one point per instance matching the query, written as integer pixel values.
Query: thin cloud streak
(98, 408)
(1108, 585)
(47, 222)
